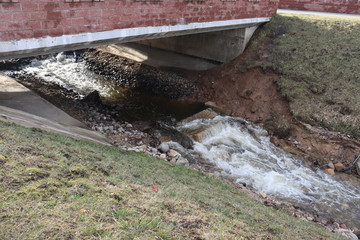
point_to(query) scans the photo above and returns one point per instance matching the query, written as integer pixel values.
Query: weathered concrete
(33, 121)
(16, 96)
(219, 46)
(157, 57)
(22, 106)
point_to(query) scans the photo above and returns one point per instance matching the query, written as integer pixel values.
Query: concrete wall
(52, 25)
(219, 46)
(336, 6)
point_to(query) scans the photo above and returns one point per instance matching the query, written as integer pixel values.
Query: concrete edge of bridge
(37, 46)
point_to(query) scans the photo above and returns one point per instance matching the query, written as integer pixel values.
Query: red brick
(24, 34)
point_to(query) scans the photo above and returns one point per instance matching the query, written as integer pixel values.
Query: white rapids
(69, 73)
(244, 152)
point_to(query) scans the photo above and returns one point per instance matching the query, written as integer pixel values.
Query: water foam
(242, 151)
(69, 73)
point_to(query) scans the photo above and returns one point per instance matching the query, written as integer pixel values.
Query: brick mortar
(54, 18)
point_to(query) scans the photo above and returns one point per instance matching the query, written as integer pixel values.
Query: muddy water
(241, 149)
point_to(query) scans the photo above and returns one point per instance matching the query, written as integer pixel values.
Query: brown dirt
(246, 89)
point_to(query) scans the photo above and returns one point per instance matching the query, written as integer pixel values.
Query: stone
(163, 156)
(275, 141)
(93, 98)
(164, 147)
(331, 165)
(262, 194)
(329, 171)
(182, 161)
(172, 153)
(205, 114)
(346, 233)
(357, 165)
(339, 167)
(343, 226)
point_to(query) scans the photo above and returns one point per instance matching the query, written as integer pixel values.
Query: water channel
(241, 149)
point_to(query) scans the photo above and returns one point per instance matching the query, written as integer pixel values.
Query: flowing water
(70, 72)
(242, 150)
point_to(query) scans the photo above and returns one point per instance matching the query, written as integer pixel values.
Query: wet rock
(346, 233)
(275, 141)
(329, 171)
(171, 134)
(357, 165)
(93, 98)
(172, 153)
(164, 147)
(205, 114)
(339, 167)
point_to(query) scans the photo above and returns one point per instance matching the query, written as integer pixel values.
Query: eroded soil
(247, 89)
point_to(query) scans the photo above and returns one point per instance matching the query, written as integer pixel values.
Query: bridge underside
(218, 40)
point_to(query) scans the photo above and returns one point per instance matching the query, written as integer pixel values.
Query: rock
(357, 165)
(262, 194)
(163, 156)
(331, 165)
(172, 153)
(164, 147)
(329, 171)
(339, 167)
(346, 233)
(182, 161)
(205, 114)
(93, 97)
(275, 141)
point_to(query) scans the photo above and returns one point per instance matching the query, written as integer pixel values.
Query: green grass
(55, 187)
(318, 58)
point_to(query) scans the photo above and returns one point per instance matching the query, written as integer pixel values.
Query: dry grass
(318, 58)
(55, 187)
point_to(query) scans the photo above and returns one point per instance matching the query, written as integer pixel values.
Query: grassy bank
(318, 58)
(55, 187)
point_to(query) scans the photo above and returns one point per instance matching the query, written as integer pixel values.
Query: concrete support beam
(219, 46)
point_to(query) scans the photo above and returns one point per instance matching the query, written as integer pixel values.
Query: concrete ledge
(36, 46)
(33, 121)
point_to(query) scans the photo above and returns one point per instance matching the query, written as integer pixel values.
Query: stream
(241, 150)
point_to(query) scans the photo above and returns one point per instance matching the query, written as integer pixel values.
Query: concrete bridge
(194, 27)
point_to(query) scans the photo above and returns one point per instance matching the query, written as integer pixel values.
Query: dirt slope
(249, 87)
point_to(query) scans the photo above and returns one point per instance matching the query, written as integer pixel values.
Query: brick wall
(337, 6)
(38, 18)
